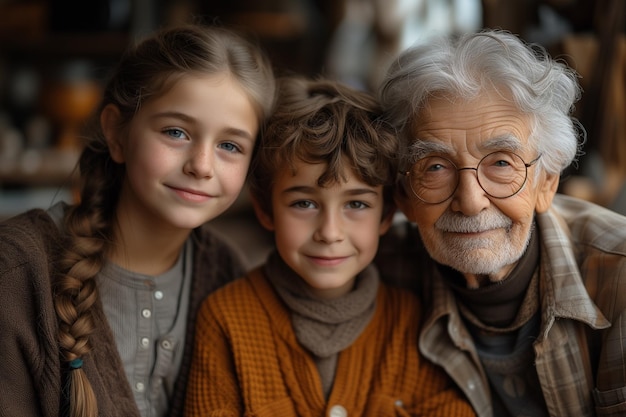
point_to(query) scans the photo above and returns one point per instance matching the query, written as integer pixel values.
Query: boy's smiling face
(327, 235)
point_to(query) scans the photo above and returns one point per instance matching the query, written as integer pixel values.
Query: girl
(98, 299)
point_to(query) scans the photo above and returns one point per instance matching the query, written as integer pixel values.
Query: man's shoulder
(597, 237)
(575, 208)
(590, 224)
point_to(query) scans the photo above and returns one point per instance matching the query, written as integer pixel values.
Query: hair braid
(88, 228)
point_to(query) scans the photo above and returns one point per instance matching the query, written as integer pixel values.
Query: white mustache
(486, 220)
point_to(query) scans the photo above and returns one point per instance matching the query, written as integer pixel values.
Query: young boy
(313, 332)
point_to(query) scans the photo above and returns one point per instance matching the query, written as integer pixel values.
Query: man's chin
(472, 264)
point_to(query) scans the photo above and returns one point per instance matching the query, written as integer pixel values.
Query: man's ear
(264, 218)
(403, 202)
(110, 122)
(546, 191)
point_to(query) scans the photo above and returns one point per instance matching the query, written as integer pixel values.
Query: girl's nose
(200, 163)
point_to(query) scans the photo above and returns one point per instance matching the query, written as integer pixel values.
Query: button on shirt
(148, 318)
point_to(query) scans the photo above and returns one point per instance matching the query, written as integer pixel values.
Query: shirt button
(145, 342)
(158, 295)
(337, 411)
(399, 403)
(146, 313)
(166, 344)
(471, 386)
(139, 386)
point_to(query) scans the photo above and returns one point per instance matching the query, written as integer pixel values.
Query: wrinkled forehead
(419, 148)
(481, 124)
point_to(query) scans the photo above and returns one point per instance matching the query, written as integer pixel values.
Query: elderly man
(525, 288)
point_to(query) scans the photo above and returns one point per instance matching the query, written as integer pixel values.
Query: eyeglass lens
(500, 174)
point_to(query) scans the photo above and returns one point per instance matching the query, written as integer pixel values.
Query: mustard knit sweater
(247, 362)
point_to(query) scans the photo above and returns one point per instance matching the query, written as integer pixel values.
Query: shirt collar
(562, 292)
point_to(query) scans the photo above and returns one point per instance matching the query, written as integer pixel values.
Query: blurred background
(55, 55)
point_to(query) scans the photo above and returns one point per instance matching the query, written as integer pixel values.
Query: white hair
(468, 65)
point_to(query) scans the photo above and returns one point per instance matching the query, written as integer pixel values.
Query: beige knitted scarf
(324, 327)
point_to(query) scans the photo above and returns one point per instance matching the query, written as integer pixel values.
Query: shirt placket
(145, 329)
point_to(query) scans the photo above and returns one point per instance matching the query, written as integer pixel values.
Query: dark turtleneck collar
(497, 304)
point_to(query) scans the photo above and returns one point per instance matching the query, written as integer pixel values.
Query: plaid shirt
(580, 352)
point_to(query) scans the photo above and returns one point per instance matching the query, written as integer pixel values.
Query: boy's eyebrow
(182, 116)
(361, 191)
(299, 189)
(306, 189)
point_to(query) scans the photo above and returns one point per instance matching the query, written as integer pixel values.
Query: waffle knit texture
(248, 362)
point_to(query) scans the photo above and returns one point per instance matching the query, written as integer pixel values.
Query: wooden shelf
(49, 167)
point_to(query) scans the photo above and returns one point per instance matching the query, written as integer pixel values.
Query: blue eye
(230, 147)
(501, 163)
(175, 133)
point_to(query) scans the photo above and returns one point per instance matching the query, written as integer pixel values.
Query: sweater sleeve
(213, 389)
(410, 385)
(436, 395)
(237, 365)
(30, 376)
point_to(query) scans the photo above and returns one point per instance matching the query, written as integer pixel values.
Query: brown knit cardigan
(247, 361)
(30, 369)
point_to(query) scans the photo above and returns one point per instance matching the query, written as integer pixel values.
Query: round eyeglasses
(501, 174)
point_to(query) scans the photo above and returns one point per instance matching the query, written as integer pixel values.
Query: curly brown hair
(324, 121)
